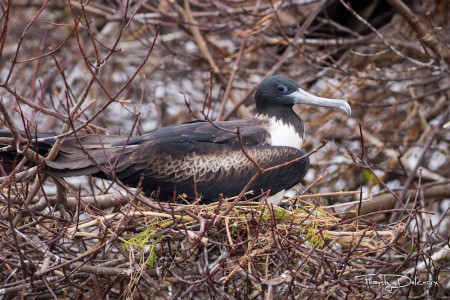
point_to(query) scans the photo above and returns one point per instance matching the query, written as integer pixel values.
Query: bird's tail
(9, 156)
(87, 154)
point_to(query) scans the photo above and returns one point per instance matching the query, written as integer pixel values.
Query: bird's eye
(282, 88)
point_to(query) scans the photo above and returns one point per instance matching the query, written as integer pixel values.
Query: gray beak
(302, 97)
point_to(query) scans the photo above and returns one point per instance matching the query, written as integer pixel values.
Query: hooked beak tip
(346, 108)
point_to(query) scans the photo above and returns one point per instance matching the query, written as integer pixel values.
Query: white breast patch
(284, 134)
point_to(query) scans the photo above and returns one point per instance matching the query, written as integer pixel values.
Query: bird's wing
(175, 165)
(253, 131)
(77, 154)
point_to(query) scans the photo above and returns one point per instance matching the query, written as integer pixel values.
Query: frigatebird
(204, 160)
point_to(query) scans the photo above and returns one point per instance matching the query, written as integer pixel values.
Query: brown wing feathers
(74, 160)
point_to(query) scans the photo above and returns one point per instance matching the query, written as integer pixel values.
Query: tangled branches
(126, 68)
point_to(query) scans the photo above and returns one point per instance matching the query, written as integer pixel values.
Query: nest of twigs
(256, 250)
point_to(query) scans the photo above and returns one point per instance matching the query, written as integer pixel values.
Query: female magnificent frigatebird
(203, 157)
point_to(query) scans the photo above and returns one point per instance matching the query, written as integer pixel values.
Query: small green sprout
(142, 241)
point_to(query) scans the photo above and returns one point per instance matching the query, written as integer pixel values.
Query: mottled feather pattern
(213, 166)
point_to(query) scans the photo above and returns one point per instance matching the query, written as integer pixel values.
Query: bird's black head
(277, 94)
(274, 94)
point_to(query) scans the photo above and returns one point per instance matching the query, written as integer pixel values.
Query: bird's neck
(285, 128)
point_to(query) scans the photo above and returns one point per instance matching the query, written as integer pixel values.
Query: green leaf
(369, 176)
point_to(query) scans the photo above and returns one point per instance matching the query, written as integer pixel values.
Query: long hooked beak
(302, 97)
